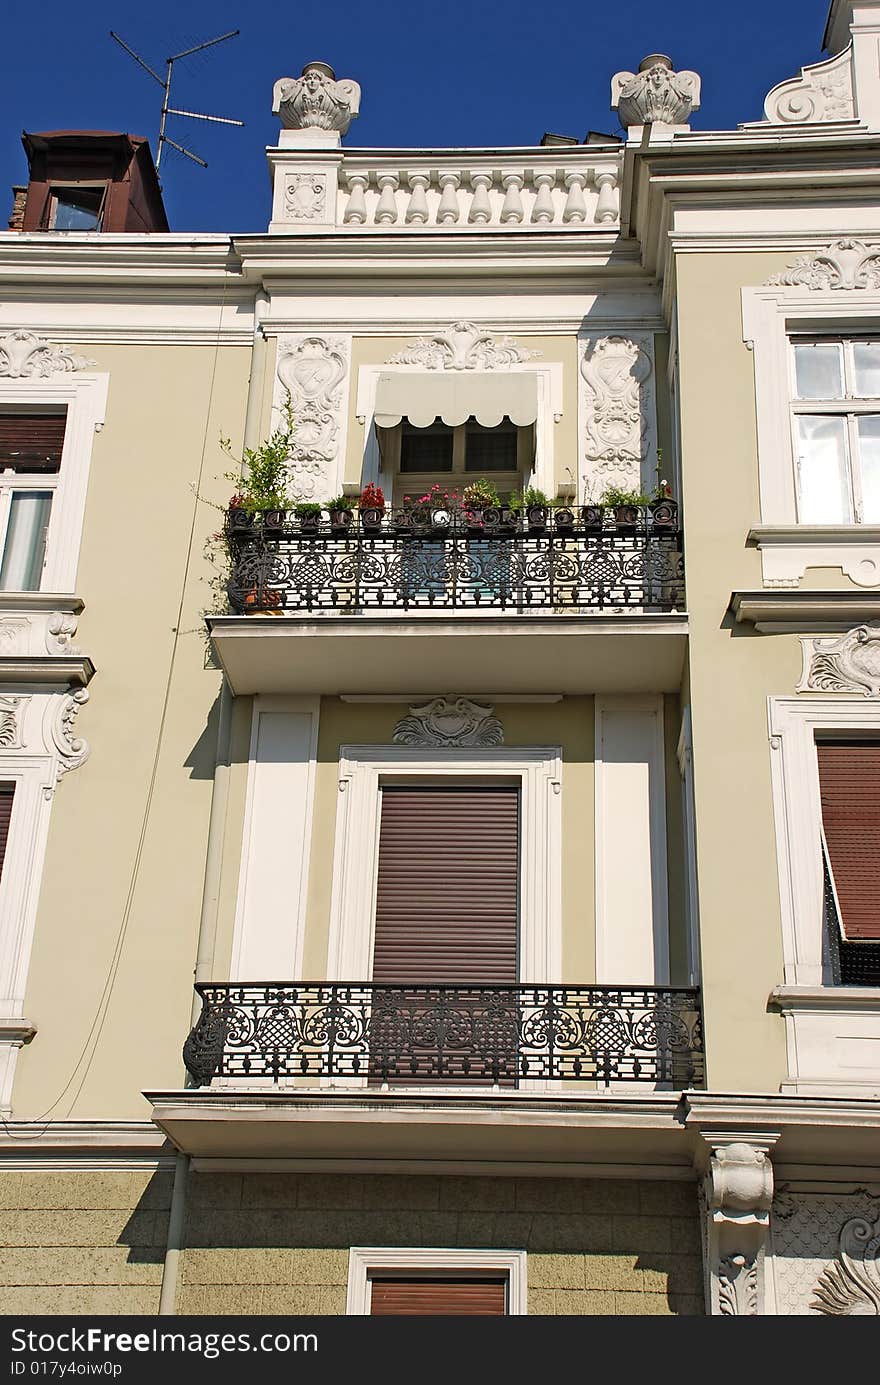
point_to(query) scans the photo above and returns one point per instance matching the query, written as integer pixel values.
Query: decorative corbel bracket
(737, 1194)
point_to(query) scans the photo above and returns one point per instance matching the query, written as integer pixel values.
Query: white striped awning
(424, 396)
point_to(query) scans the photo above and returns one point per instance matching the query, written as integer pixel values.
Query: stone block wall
(82, 1241)
(279, 1243)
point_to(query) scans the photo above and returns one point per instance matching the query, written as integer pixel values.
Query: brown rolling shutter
(849, 782)
(425, 1297)
(447, 891)
(7, 793)
(32, 442)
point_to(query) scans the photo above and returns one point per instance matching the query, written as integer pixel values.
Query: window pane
(426, 449)
(490, 449)
(818, 370)
(77, 209)
(25, 541)
(869, 459)
(866, 360)
(823, 488)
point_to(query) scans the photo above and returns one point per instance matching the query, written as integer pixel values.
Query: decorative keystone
(655, 93)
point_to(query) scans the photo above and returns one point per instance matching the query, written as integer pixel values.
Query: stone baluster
(606, 207)
(449, 211)
(543, 211)
(386, 212)
(512, 208)
(481, 208)
(575, 206)
(417, 211)
(356, 211)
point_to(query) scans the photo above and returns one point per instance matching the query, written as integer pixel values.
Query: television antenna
(165, 84)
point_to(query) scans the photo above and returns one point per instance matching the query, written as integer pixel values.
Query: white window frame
(794, 724)
(85, 398)
(772, 316)
(832, 1032)
(363, 1260)
(849, 406)
(362, 771)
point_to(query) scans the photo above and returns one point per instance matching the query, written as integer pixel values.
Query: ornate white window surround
(834, 303)
(508, 1263)
(85, 398)
(38, 747)
(363, 769)
(833, 1032)
(548, 379)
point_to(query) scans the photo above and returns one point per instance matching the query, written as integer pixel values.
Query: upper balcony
(521, 601)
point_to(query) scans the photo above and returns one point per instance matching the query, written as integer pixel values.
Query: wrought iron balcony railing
(426, 558)
(447, 1034)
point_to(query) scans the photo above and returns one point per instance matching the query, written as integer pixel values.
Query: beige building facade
(504, 767)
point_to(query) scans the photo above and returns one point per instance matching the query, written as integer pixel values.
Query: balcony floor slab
(423, 653)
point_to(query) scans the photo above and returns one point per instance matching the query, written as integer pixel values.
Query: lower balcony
(407, 603)
(485, 1077)
(416, 1035)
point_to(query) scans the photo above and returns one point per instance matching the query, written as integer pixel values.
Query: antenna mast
(165, 84)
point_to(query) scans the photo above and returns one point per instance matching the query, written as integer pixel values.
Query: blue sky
(446, 74)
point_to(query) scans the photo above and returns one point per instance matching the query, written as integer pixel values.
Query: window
(836, 417)
(77, 208)
(446, 1295)
(849, 785)
(7, 794)
(386, 1281)
(30, 464)
(422, 456)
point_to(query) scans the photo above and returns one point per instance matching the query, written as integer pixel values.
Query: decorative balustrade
(510, 197)
(421, 558)
(447, 1033)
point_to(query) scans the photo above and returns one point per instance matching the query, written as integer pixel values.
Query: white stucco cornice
(106, 258)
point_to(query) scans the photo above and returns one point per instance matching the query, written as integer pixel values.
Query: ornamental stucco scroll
(821, 92)
(25, 356)
(850, 664)
(463, 346)
(618, 411)
(313, 372)
(449, 721)
(845, 264)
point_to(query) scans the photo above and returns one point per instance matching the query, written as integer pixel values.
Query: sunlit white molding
(508, 1263)
(276, 839)
(632, 910)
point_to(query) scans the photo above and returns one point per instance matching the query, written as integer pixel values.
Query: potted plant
(626, 504)
(341, 509)
(308, 512)
(592, 517)
(534, 504)
(664, 510)
(564, 518)
(477, 498)
(371, 505)
(261, 480)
